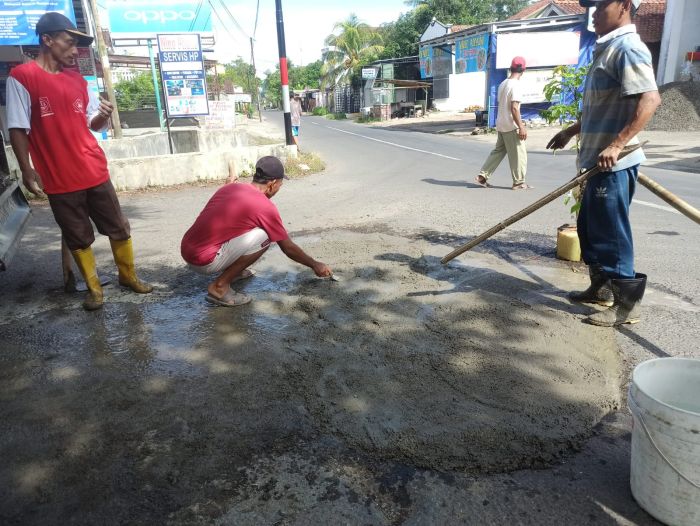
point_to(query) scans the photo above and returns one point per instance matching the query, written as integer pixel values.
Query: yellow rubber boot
(85, 259)
(124, 258)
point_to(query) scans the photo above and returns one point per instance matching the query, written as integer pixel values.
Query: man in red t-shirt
(235, 228)
(49, 110)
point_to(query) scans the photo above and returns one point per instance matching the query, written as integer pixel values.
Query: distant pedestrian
(49, 111)
(234, 230)
(296, 110)
(619, 98)
(511, 131)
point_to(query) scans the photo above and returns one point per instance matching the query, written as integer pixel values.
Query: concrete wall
(143, 161)
(681, 35)
(184, 141)
(143, 172)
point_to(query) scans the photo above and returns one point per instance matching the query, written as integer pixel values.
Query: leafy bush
(320, 111)
(565, 92)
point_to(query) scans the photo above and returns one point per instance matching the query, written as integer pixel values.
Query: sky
(306, 23)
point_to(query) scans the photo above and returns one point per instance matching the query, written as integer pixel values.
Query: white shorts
(243, 245)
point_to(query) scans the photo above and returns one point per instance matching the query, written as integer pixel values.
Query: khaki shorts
(244, 245)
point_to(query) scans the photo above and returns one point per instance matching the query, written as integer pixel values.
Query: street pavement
(379, 181)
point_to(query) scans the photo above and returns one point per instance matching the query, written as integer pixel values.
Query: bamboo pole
(576, 181)
(672, 199)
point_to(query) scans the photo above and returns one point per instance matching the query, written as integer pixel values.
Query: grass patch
(298, 167)
(367, 120)
(336, 116)
(320, 111)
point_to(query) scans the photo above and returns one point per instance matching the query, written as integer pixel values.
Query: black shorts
(74, 210)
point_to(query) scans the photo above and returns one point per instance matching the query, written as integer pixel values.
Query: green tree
(466, 11)
(300, 78)
(137, 93)
(401, 36)
(351, 45)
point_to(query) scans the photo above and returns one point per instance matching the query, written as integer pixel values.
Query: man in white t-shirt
(511, 131)
(295, 110)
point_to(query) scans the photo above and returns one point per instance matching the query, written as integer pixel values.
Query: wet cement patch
(164, 408)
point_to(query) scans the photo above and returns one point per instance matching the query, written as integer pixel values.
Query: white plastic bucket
(664, 398)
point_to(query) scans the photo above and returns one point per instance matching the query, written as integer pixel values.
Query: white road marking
(654, 205)
(390, 143)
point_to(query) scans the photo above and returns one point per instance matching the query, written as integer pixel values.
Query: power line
(222, 22)
(233, 19)
(196, 14)
(257, 12)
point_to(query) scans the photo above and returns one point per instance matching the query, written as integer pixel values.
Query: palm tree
(351, 45)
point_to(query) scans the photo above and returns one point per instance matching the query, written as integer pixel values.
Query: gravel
(680, 108)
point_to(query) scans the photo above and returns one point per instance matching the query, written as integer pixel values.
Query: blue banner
(471, 53)
(18, 19)
(150, 17)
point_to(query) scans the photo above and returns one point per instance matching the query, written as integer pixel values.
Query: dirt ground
(163, 410)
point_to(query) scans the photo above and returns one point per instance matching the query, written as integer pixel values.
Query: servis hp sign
(141, 17)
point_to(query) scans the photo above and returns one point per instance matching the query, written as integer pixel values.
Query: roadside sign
(183, 75)
(18, 19)
(369, 73)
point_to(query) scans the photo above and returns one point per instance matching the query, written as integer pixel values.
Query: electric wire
(233, 19)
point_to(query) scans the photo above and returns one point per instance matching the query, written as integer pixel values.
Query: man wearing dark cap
(236, 227)
(49, 110)
(511, 131)
(619, 98)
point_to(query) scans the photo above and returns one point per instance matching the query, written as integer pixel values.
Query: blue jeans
(604, 225)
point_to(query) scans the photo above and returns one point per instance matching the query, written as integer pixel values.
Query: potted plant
(565, 93)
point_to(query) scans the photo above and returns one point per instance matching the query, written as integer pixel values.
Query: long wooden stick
(576, 181)
(672, 199)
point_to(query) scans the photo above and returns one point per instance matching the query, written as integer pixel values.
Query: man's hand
(559, 141)
(608, 157)
(32, 182)
(522, 133)
(322, 270)
(106, 108)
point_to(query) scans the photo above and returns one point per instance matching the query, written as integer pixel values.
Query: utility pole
(255, 78)
(156, 90)
(284, 76)
(104, 59)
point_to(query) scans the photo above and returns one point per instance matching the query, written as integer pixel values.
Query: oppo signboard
(146, 18)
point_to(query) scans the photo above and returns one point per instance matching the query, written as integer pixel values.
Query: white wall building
(680, 37)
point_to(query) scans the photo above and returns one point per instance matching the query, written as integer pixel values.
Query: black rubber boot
(628, 300)
(599, 291)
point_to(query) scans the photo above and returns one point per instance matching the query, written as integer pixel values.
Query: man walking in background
(295, 109)
(619, 98)
(511, 131)
(49, 112)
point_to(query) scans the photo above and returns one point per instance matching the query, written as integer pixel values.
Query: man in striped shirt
(620, 96)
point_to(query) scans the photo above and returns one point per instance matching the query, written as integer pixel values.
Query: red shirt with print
(64, 151)
(235, 209)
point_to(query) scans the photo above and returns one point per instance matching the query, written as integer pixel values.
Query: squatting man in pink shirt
(236, 227)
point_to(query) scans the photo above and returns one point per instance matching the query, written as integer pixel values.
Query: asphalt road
(427, 172)
(143, 413)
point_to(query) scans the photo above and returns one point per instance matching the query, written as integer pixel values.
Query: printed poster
(183, 75)
(471, 53)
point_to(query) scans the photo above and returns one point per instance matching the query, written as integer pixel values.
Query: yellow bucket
(568, 247)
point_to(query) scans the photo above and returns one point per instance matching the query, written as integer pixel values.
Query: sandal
(230, 299)
(482, 181)
(246, 274)
(522, 186)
